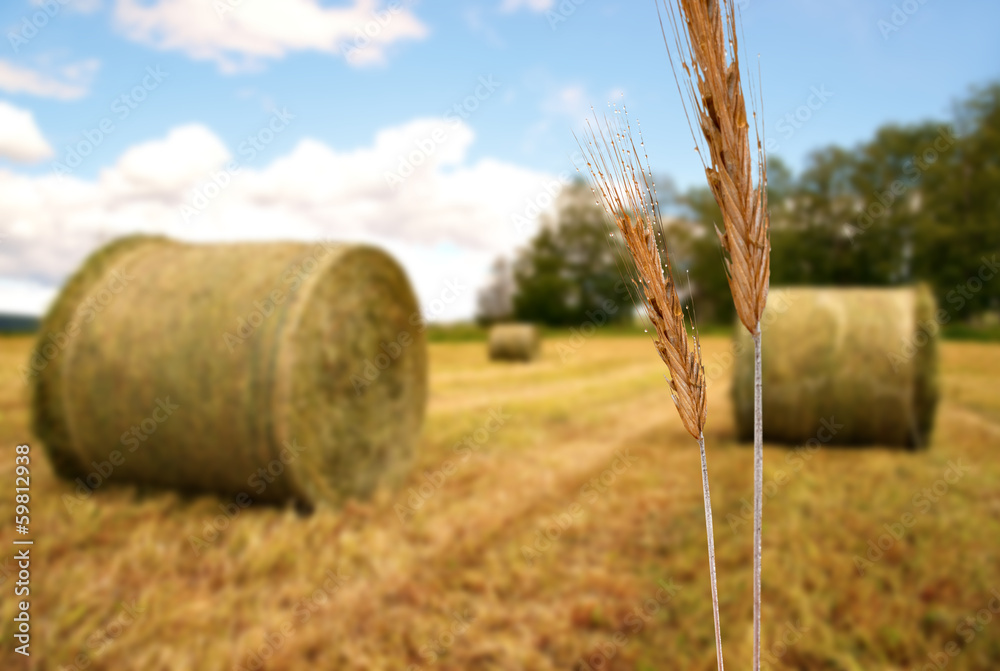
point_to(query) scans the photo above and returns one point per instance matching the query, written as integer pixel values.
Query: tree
(496, 300)
(914, 203)
(573, 266)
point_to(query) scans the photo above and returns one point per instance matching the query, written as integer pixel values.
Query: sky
(436, 130)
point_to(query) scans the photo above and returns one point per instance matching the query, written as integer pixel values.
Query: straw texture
(858, 356)
(199, 328)
(514, 342)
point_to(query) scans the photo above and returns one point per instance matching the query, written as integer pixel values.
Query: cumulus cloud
(20, 138)
(240, 34)
(69, 82)
(412, 190)
(18, 297)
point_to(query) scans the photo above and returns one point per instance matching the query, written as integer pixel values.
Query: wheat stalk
(708, 52)
(625, 188)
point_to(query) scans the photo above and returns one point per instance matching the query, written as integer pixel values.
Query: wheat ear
(624, 186)
(708, 52)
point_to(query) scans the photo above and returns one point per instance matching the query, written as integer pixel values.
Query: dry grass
(627, 192)
(463, 549)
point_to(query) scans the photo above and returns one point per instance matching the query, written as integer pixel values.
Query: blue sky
(352, 111)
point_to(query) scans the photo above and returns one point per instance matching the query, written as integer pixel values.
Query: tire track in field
(517, 491)
(459, 402)
(973, 416)
(457, 525)
(490, 371)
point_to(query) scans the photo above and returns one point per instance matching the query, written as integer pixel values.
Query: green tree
(572, 266)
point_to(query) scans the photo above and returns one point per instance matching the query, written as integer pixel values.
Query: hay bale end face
(514, 342)
(853, 366)
(284, 371)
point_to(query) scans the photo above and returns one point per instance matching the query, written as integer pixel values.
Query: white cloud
(66, 83)
(240, 34)
(20, 138)
(445, 221)
(165, 167)
(20, 297)
(532, 5)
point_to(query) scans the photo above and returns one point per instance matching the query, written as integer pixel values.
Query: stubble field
(552, 520)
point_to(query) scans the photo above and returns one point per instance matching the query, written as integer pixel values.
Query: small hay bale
(286, 371)
(862, 358)
(514, 342)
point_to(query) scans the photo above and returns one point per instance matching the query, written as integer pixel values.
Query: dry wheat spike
(625, 189)
(708, 52)
(709, 55)
(624, 186)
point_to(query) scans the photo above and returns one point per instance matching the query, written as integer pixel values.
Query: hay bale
(514, 342)
(261, 347)
(865, 357)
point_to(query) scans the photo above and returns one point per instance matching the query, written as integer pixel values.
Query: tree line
(915, 203)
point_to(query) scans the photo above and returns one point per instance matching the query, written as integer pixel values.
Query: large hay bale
(196, 366)
(514, 342)
(862, 358)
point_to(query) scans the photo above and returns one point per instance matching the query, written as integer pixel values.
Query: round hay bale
(514, 342)
(853, 366)
(284, 371)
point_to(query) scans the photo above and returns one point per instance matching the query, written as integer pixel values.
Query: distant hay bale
(286, 371)
(514, 342)
(862, 358)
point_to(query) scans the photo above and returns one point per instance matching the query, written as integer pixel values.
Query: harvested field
(453, 570)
